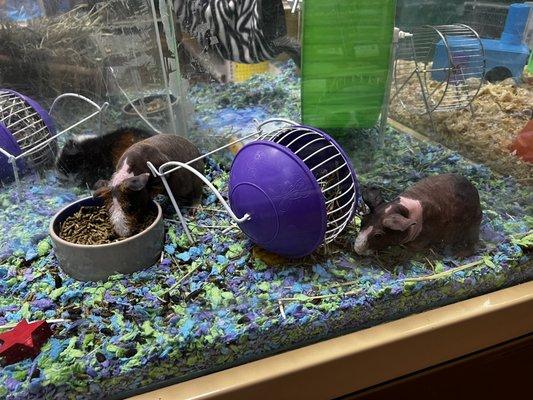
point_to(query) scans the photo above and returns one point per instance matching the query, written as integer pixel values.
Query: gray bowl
(98, 262)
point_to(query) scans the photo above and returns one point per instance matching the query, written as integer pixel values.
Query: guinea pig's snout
(361, 247)
(120, 221)
(361, 243)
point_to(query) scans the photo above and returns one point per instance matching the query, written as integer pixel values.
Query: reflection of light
(295, 5)
(21, 10)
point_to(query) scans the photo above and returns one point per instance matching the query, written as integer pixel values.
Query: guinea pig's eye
(378, 235)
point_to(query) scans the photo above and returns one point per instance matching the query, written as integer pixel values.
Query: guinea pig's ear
(100, 184)
(398, 222)
(372, 197)
(137, 183)
(100, 188)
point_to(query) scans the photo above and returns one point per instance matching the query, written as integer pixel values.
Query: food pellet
(91, 226)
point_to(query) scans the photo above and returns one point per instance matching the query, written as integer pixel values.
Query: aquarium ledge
(372, 356)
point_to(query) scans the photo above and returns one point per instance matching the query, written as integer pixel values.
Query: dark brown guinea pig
(441, 211)
(87, 158)
(128, 193)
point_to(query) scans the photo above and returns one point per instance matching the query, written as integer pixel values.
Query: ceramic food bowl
(98, 262)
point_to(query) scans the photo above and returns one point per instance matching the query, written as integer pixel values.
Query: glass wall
(485, 125)
(107, 51)
(190, 185)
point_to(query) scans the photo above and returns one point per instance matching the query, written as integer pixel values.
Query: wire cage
(290, 190)
(25, 125)
(487, 17)
(28, 137)
(443, 65)
(330, 166)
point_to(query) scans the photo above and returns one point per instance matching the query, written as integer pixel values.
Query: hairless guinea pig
(128, 193)
(441, 211)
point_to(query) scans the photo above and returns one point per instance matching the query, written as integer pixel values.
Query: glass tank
(190, 185)
(489, 123)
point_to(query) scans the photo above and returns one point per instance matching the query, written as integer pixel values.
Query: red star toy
(23, 341)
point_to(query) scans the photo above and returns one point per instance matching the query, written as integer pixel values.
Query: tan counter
(365, 358)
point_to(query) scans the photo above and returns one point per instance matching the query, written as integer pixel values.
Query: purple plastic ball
(281, 194)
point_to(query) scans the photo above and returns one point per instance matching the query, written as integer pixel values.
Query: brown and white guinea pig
(127, 195)
(87, 158)
(441, 211)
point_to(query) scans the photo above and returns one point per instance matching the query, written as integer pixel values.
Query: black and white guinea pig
(128, 192)
(87, 158)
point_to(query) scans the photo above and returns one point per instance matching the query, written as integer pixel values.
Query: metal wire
(486, 17)
(27, 127)
(321, 155)
(171, 166)
(331, 170)
(450, 85)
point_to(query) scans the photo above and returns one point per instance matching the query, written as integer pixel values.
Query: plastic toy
(345, 61)
(23, 341)
(522, 145)
(28, 134)
(298, 187)
(441, 60)
(24, 124)
(290, 191)
(528, 36)
(505, 57)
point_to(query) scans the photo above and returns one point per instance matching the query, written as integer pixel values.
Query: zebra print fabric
(245, 31)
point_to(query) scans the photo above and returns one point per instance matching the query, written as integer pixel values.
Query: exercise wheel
(290, 191)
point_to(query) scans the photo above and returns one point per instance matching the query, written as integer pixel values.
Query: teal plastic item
(515, 24)
(345, 61)
(504, 57)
